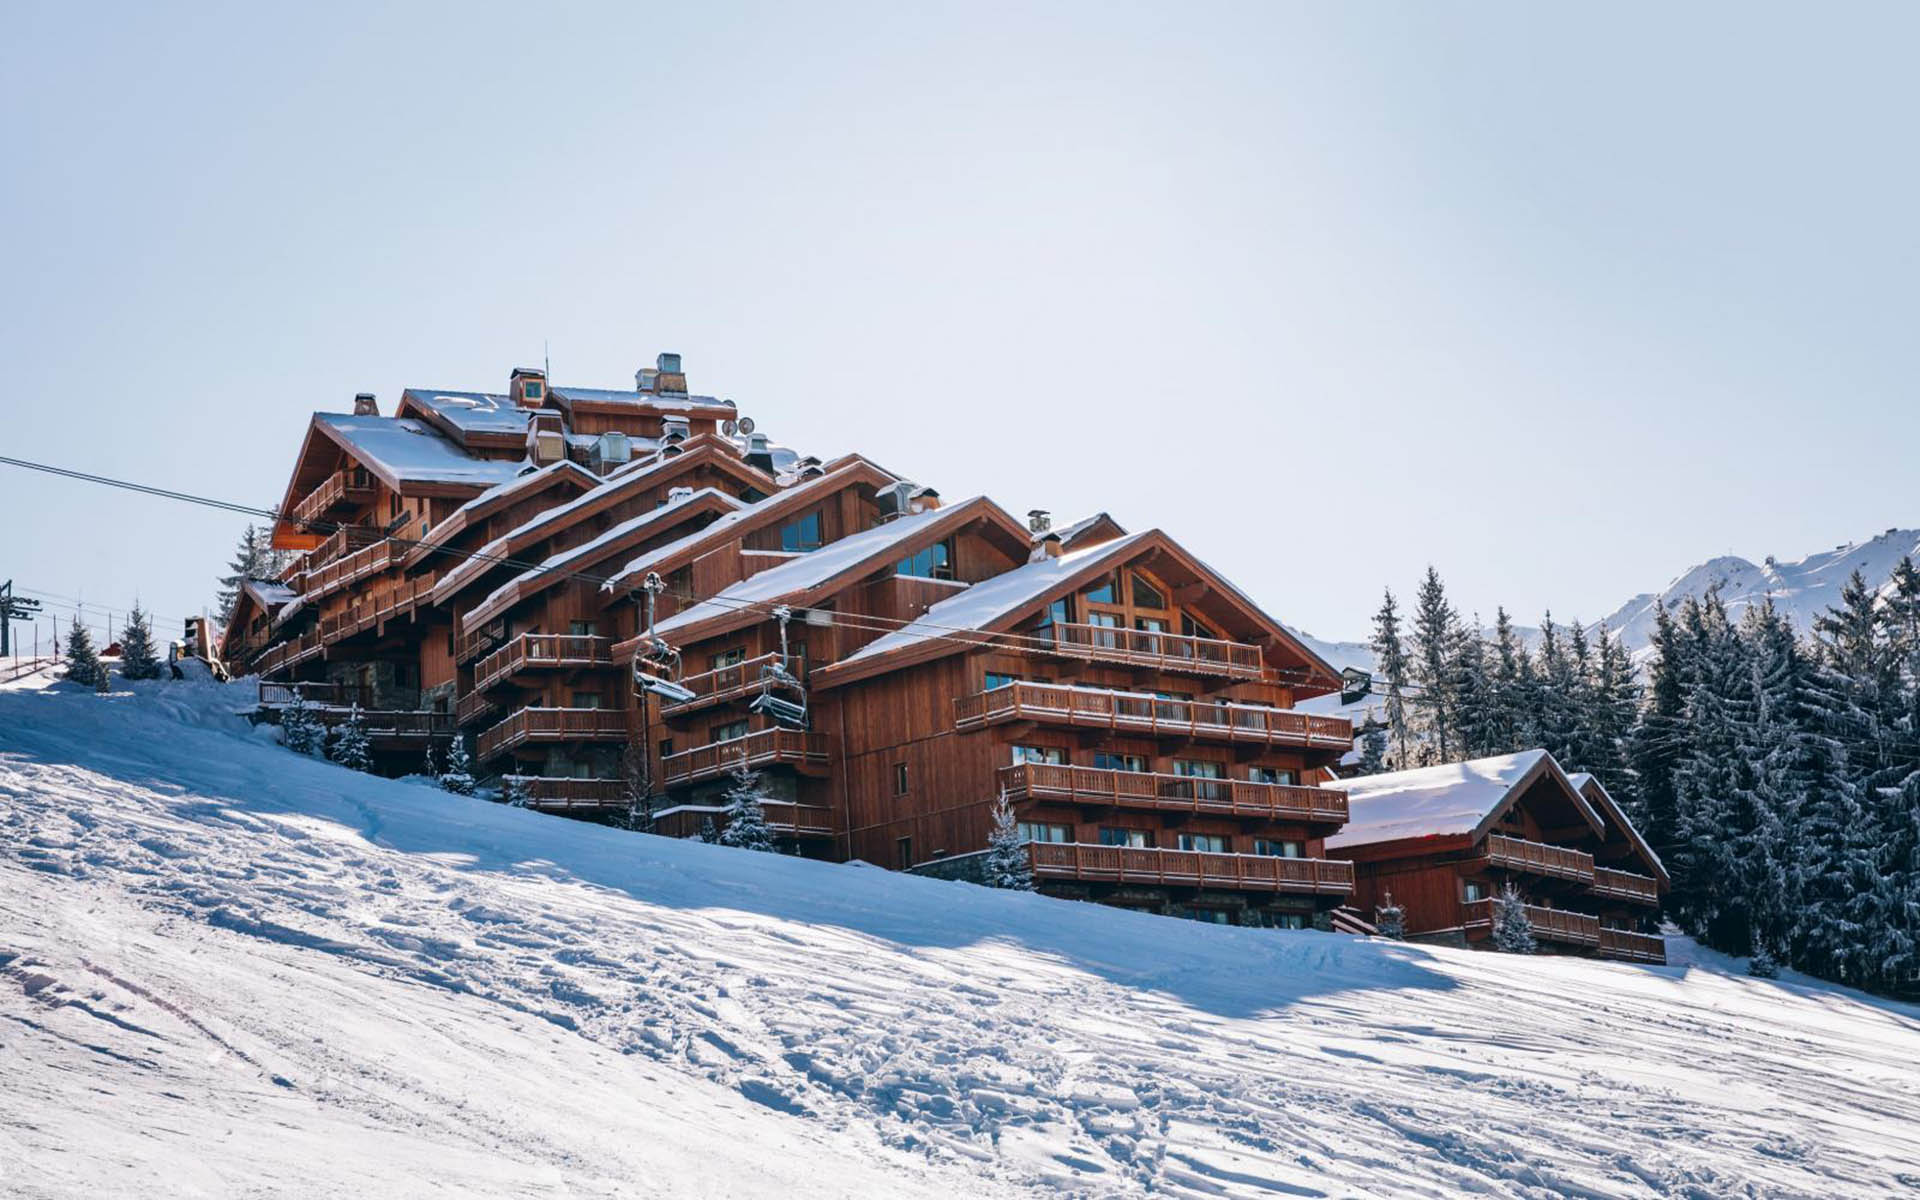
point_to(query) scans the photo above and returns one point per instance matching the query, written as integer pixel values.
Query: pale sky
(1559, 301)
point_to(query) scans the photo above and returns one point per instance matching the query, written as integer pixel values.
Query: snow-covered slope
(228, 971)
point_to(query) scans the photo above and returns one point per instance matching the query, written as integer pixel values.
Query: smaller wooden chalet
(1444, 841)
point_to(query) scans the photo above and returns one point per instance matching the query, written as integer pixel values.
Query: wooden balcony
(787, 747)
(350, 568)
(1159, 651)
(722, 684)
(375, 609)
(469, 646)
(1148, 715)
(1549, 924)
(785, 818)
(552, 725)
(392, 729)
(1538, 858)
(343, 541)
(285, 655)
(1625, 885)
(1633, 947)
(554, 794)
(1087, 863)
(474, 706)
(541, 652)
(344, 489)
(339, 695)
(1175, 793)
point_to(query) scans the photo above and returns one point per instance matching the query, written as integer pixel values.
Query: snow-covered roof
(810, 570)
(472, 412)
(664, 402)
(1582, 780)
(522, 483)
(991, 600)
(269, 594)
(406, 450)
(1450, 799)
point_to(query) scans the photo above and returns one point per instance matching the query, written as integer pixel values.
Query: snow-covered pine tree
(1390, 662)
(1434, 645)
(1390, 919)
(1472, 688)
(1509, 680)
(1583, 750)
(430, 764)
(138, 657)
(1659, 736)
(1615, 699)
(1554, 695)
(299, 732)
(635, 786)
(1007, 864)
(350, 746)
(1712, 780)
(1763, 965)
(746, 812)
(1373, 747)
(83, 662)
(708, 833)
(516, 792)
(458, 775)
(252, 559)
(1512, 928)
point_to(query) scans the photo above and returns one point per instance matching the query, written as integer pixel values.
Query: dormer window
(803, 535)
(535, 389)
(935, 562)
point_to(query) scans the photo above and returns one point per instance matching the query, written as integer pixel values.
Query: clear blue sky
(1560, 301)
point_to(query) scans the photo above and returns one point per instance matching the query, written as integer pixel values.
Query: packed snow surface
(229, 971)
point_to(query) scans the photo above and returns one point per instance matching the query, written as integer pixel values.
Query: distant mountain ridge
(1801, 590)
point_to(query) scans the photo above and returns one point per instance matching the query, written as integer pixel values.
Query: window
(1288, 921)
(1052, 756)
(1475, 891)
(1110, 836)
(1209, 916)
(1273, 849)
(935, 562)
(1206, 843)
(1145, 595)
(1102, 592)
(903, 853)
(586, 700)
(1150, 624)
(534, 389)
(666, 747)
(580, 628)
(1034, 831)
(802, 535)
(680, 583)
(1282, 775)
(1102, 760)
(996, 680)
(1103, 623)
(727, 658)
(1060, 612)
(727, 733)
(1194, 768)
(899, 779)
(1192, 628)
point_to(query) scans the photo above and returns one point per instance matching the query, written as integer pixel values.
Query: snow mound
(226, 970)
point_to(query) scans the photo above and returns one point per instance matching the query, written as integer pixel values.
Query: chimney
(528, 387)
(1039, 520)
(646, 379)
(668, 377)
(759, 452)
(676, 429)
(904, 498)
(1046, 546)
(610, 450)
(546, 440)
(364, 405)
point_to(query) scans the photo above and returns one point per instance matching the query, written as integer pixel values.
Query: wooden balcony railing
(1190, 868)
(784, 817)
(1538, 858)
(283, 655)
(1175, 793)
(469, 646)
(1633, 947)
(344, 488)
(340, 695)
(1162, 651)
(724, 683)
(350, 568)
(1625, 885)
(473, 706)
(1549, 924)
(788, 746)
(562, 794)
(342, 541)
(552, 725)
(376, 608)
(1142, 713)
(542, 651)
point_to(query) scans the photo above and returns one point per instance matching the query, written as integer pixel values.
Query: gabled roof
(1461, 799)
(662, 402)
(614, 541)
(806, 578)
(849, 472)
(1603, 802)
(1087, 531)
(999, 604)
(497, 497)
(404, 451)
(464, 414)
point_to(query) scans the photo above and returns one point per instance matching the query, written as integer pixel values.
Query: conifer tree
(458, 775)
(1659, 737)
(299, 731)
(1472, 688)
(1553, 695)
(138, 658)
(1007, 865)
(1390, 662)
(1615, 698)
(1390, 919)
(1373, 747)
(430, 763)
(1435, 641)
(746, 812)
(83, 662)
(350, 746)
(516, 792)
(1512, 928)
(708, 833)
(253, 558)
(1510, 680)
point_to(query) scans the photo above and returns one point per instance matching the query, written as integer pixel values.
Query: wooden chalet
(1444, 841)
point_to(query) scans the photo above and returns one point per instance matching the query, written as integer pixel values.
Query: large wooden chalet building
(621, 596)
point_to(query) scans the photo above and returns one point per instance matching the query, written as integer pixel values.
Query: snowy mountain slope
(226, 970)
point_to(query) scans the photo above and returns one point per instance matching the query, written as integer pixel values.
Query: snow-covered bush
(1512, 930)
(1007, 863)
(516, 792)
(299, 732)
(1763, 965)
(350, 746)
(746, 812)
(458, 777)
(1391, 919)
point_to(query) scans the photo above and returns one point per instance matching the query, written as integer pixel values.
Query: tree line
(1777, 776)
